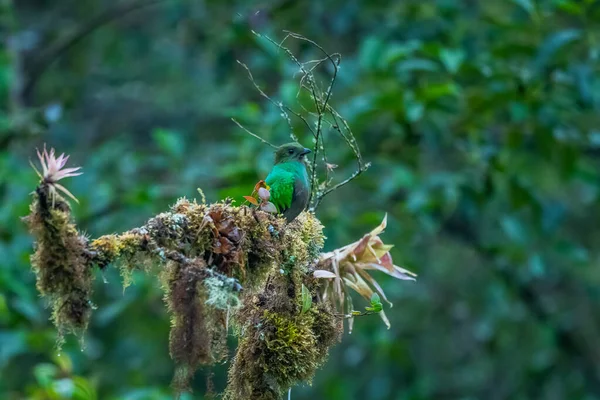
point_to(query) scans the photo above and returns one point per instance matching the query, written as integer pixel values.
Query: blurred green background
(481, 119)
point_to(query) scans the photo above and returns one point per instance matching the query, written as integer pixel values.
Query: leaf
(261, 184)
(170, 142)
(452, 59)
(306, 299)
(321, 273)
(251, 200)
(65, 191)
(374, 283)
(398, 273)
(527, 5)
(379, 230)
(83, 389)
(376, 305)
(553, 44)
(385, 320)
(416, 64)
(370, 52)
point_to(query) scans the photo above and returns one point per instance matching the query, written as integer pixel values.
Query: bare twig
(340, 184)
(322, 113)
(282, 107)
(253, 134)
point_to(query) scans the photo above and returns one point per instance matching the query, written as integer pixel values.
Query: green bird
(288, 180)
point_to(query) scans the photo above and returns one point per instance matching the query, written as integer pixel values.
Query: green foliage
(480, 119)
(376, 305)
(306, 299)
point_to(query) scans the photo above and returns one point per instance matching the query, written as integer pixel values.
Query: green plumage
(288, 181)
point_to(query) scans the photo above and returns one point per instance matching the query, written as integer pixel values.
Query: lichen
(222, 294)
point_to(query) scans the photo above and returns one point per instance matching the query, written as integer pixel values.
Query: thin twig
(323, 111)
(342, 183)
(320, 101)
(282, 107)
(253, 134)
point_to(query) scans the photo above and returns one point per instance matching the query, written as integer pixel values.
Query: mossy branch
(216, 262)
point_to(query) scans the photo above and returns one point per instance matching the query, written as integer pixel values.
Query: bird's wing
(282, 188)
(299, 199)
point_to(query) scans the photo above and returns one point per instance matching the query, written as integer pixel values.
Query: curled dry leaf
(261, 184)
(251, 200)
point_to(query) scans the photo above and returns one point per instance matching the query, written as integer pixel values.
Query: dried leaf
(251, 200)
(222, 245)
(398, 272)
(65, 191)
(375, 284)
(379, 230)
(361, 246)
(385, 319)
(350, 265)
(321, 273)
(261, 184)
(359, 287)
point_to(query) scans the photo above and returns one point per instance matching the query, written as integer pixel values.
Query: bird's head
(290, 152)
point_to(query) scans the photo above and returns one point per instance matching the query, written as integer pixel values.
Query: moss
(60, 263)
(258, 244)
(327, 329)
(189, 340)
(278, 351)
(205, 252)
(129, 251)
(290, 348)
(304, 240)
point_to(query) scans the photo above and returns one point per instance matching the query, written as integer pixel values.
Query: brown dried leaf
(222, 245)
(251, 200)
(321, 273)
(260, 184)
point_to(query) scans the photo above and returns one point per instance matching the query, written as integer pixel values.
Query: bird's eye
(291, 151)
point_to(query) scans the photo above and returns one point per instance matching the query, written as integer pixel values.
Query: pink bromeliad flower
(53, 171)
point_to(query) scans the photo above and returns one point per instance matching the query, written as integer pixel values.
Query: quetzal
(288, 180)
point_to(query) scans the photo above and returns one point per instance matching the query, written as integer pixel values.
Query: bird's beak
(305, 152)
